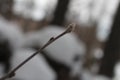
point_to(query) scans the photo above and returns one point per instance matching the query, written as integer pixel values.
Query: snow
(12, 32)
(1, 70)
(117, 71)
(84, 12)
(36, 69)
(106, 20)
(36, 10)
(62, 50)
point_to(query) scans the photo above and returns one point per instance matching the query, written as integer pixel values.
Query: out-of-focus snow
(12, 32)
(86, 12)
(106, 20)
(36, 69)
(117, 72)
(34, 9)
(104, 27)
(82, 12)
(87, 75)
(1, 70)
(63, 50)
(98, 53)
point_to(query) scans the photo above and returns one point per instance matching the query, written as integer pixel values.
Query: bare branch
(51, 40)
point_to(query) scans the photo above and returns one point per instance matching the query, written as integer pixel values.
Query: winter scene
(59, 40)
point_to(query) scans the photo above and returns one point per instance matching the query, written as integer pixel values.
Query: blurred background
(91, 52)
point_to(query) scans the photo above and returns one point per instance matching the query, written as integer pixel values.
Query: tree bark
(60, 12)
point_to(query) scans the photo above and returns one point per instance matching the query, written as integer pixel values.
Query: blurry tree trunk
(60, 12)
(112, 48)
(6, 8)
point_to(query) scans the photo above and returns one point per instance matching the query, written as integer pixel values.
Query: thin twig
(51, 40)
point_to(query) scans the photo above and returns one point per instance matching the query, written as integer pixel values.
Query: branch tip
(71, 27)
